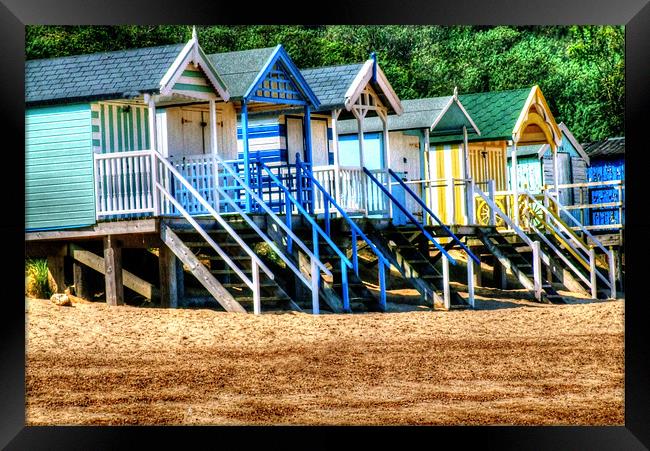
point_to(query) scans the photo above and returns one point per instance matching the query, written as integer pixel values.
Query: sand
(511, 361)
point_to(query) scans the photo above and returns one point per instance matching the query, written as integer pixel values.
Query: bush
(37, 283)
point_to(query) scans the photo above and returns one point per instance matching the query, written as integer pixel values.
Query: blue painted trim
(306, 215)
(356, 232)
(247, 173)
(408, 215)
(280, 54)
(426, 209)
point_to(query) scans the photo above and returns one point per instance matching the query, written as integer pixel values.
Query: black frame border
(635, 14)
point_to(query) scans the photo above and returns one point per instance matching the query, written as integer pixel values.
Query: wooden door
(295, 140)
(319, 141)
(196, 137)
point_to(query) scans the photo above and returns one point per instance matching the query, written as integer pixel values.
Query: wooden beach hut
(409, 138)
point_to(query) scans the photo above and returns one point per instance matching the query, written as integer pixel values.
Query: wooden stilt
(180, 282)
(81, 276)
(168, 286)
(113, 271)
(499, 275)
(478, 273)
(56, 273)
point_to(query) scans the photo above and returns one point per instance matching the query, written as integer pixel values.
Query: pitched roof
(606, 148)
(97, 76)
(239, 69)
(495, 113)
(330, 83)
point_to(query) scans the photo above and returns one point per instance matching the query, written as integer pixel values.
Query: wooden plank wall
(59, 189)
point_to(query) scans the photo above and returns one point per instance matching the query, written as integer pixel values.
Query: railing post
(612, 272)
(247, 168)
(326, 214)
(299, 180)
(382, 285)
(537, 269)
(315, 283)
(592, 272)
(491, 190)
(287, 208)
(355, 256)
(344, 286)
(260, 188)
(470, 280)
(257, 307)
(471, 219)
(445, 282)
(154, 183)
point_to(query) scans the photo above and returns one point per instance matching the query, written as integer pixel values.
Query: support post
(478, 272)
(55, 271)
(470, 280)
(427, 190)
(612, 272)
(445, 282)
(471, 216)
(491, 190)
(537, 270)
(113, 271)
(364, 181)
(592, 273)
(556, 174)
(81, 276)
(168, 283)
(309, 158)
(214, 150)
(180, 282)
(337, 162)
(257, 304)
(315, 282)
(386, 152)
(244, 131)
(514, 185)
(153, 144)
(469, 187)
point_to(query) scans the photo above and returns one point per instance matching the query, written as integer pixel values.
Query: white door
(319, 150)
(295, 141)
(196, 132)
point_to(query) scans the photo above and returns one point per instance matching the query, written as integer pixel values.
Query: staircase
(219, 253)
(272, 293)
(518, 262)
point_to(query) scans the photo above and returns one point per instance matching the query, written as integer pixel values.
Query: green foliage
(267, 253)
(580, 68)
(37, 281)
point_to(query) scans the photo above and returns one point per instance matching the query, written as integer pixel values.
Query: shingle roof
(606, 148)
(494, 113)
(98, 75)
(239, 69)
(330, 83)
(418, 114)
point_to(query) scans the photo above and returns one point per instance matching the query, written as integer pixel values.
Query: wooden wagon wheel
(483, 213)
(530, 214)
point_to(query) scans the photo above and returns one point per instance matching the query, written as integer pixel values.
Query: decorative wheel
(530, 214)
(483, 213)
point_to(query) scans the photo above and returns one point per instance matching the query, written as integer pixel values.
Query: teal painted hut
(79, 107)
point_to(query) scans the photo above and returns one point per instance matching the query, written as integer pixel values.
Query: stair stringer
(203, 275)
(427, 290)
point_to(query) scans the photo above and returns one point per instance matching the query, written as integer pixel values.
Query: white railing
(534, 245)
(584, 252)
(123, 183)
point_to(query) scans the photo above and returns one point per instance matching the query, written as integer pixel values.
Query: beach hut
(535, 168)
(607, 175)
(409, 139)
(106, 105)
